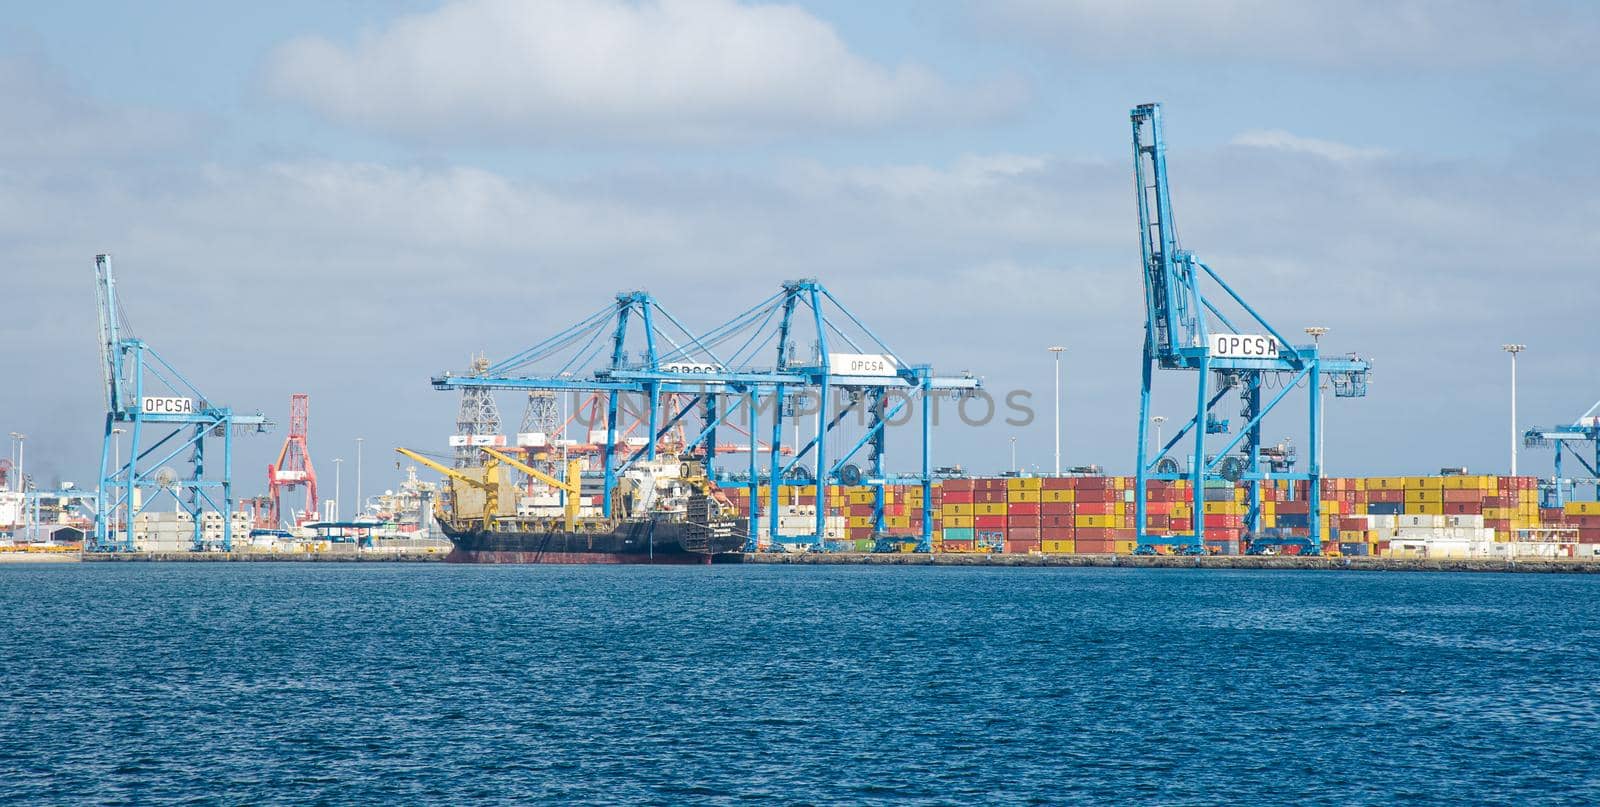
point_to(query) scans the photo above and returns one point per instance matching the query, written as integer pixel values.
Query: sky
(344, 199)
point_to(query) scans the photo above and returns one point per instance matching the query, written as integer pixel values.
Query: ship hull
(638, 542)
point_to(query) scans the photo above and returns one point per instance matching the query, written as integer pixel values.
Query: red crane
(293, 468)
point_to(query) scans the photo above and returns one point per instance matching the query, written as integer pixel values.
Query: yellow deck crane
(489, 484)
(572, 485)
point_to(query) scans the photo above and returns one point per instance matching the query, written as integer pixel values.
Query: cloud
(1325, 149)
(354, 281)
(49, 118)
(1371, 33)
(510, 72)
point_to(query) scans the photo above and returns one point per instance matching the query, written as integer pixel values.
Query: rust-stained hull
(459, 555)
(644, 541)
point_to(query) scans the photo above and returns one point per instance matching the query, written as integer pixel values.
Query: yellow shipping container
(1424, 495)
(1057, 495)
(1096, 522)
(861, 498)
(1058, 547)
(991, 509)
(1121, 483)
(957, 521)
(896, 522)
(1476, 482)
(1024, 483)
(1026, 496)
(1582, 508)
(1224, 509)
(957, 509)
(1126, 547)
(859, 522)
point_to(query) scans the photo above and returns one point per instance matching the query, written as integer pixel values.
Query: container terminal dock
(765, 439)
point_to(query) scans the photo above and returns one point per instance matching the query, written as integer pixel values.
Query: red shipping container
(989, 497)
(958, 546)
(1451, 496)
(1156, 522)
(1015, 509)
(989, 522)
(1021, 547)
(1462, 508)
(1057, 521)
(1056, 533)
(1301, 507)
(958, 497)
(1056, 508)
(1098, 495)
(1092, 483)
(1093, 546)
(1056, 483)
(956, 485)
(1220, 521)
(1022, 533)
(1096, 508)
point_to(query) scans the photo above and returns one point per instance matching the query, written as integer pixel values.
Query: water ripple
(192, 684)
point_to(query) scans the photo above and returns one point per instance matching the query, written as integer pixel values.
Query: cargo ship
(663, 511)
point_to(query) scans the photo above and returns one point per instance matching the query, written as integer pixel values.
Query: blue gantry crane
(635, 333)
(168, 421)
(1188, 327)
(847, 371)
(747, 367)
(1580, 437)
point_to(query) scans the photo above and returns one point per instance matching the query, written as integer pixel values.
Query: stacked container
(1096, 514)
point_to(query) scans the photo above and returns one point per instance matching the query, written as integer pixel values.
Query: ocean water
(407, 684)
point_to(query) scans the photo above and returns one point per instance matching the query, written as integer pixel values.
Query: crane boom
(489, 484)
(444, 469)
(573, 471)
(573, 486)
